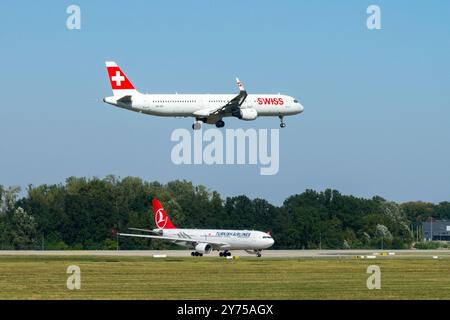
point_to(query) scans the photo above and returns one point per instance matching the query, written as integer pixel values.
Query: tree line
(84, 213)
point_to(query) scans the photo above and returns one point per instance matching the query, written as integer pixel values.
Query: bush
(77, 246)
(398, 243)
(109, 244)
(429, 245)
(57, 245)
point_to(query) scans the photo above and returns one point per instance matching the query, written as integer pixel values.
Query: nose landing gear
(282, 124)
(196, 254)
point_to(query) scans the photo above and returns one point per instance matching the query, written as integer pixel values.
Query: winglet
(240, 85)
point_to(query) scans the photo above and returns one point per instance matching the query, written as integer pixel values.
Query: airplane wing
(216, 245)
(232, 105)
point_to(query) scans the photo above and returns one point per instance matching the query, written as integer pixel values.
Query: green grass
(38, 277)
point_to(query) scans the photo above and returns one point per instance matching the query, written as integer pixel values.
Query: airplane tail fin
(161, 219)
(120, 84)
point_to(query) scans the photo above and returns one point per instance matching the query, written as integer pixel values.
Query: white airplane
(204, 241)
(206, 108)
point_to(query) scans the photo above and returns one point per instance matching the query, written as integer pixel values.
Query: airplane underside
(220, 123)
(216, 120)
(226, 253)
(222, 252)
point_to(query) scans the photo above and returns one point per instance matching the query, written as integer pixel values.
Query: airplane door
(200, 102)
(146, 104)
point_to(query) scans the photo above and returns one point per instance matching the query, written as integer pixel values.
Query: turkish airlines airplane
(204, 241)
(206, 108)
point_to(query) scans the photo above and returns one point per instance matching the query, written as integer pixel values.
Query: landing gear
(282, 124)
(258, 253)
(196, 125)
(196, 254)
(225, 254)
(220, 124)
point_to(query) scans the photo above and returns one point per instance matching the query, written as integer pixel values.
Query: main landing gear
(225, 254)
(220, 124)
(197, 125)
(282, 124)
(196, 254)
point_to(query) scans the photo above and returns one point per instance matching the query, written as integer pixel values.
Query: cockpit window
(295, 101)
(267, 237)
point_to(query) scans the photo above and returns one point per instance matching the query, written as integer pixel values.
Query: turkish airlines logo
(160, 218)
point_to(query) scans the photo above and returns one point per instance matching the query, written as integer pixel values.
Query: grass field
(41, 277)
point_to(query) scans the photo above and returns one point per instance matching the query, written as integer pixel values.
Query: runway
(266, 253)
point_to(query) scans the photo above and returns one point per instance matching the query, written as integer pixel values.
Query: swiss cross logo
(118, 78)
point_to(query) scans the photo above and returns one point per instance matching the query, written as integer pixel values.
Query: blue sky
(377, 103)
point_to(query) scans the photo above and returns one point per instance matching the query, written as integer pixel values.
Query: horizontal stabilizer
(125, 99)
(144, 230)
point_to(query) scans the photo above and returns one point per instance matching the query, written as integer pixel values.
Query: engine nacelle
(247, 114)
(203, 248)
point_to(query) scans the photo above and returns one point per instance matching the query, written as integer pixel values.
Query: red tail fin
(120, 84)
(161, 219)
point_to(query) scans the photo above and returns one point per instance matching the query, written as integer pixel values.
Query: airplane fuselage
(232, 239)
(192, 105)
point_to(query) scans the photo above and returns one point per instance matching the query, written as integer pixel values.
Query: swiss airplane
(204, 241)
(206, 108)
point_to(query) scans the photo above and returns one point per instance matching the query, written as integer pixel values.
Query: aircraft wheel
(220, 254)
(282, 124)
(220, 124)
(258, 254)
(200, 254)
(196, 126)
(192, 253)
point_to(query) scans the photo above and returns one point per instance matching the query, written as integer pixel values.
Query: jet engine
(203, 248)
(247, 114)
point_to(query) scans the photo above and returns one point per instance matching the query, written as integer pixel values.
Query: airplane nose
(300, 108)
